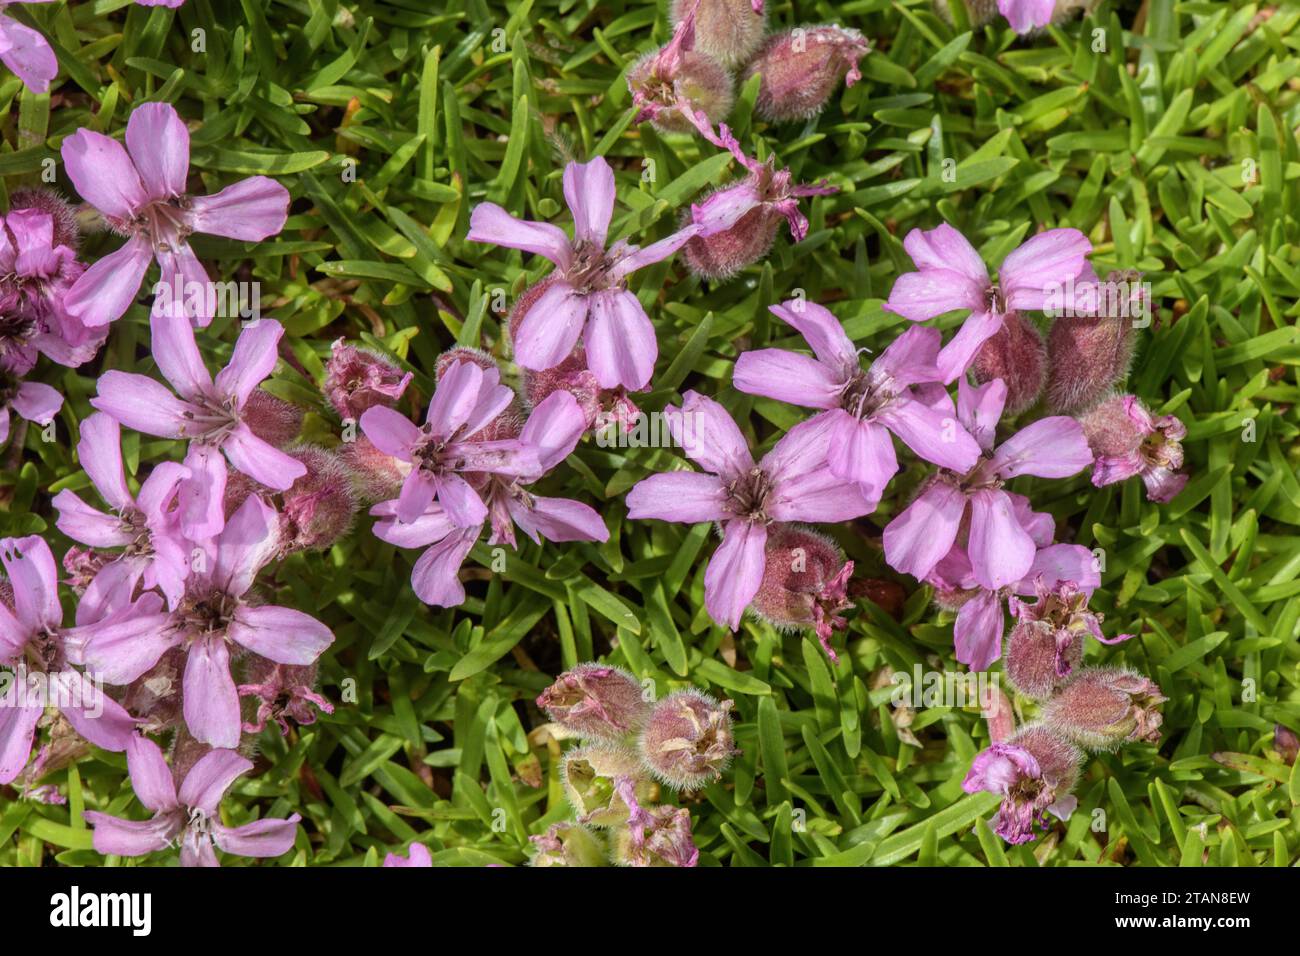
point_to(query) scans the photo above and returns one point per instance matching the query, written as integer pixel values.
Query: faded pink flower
(357, 379)
(1128, 440)
(1034, 771)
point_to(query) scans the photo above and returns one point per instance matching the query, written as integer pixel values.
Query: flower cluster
(631, 744)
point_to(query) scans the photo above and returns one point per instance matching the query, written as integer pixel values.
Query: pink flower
(357, 379)
(1033, 771)
(589, 297)
(418, 856)
(1051, 266)
(214, 613)
(36, 272)
(439, 454)
(863, 405)
(190, 818)
(146, 526)
(209, 412)
(547, 438)
(1027, 15)
(27, 53)
(34, 643)
(791, 483)
(999, 542)
(1128, 440)
(140, 191)
(33, 401)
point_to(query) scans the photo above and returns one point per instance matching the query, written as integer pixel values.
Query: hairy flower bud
(727, 30)
(660, 836)
(1089, 355)
(1034, 770)
(1046, 644)
(376, 476)
(319, 508)
(358, 378)
(804, 583)
(272, 419)
(593, 774)
(593, 700)
(569, 844)
(1128, 440)
(1016, 354)
(687, 741)
(801, 68)
(670, 85)
(66, 231)
(1104, 707)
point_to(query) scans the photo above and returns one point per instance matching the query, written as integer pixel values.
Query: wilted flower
(1047, 642)
(999, 545)
(687, 740)
(801, 69)
(660, 836)
(588, 297)
(592, 774)
(863, 406)
(1104, 707)
(1050, 267)
(791, 483)
(1034, 771)
(595, 700)
(283, 692)
(190, 819)
(678, 89)
(357, 379)
(1088, 355)
(209, 412)
(568, 844)
(1128, 440)
(418, 856)
(727, 30)
(805, 581)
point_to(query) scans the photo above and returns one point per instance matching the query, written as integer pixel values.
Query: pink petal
(822, 330)
(141, 404)
(977, 632)
(1000, 550)
(210, 778)
(252, 362)
(788, 377)
(1049, 260)
(119, 651)
(110, 591)
(159, 144)
(589, 191)
(252, 209)
(92, 713)
(435, 577)
(912, 357)
(862, 452)
(107, 289)
(980, 407)
(196, 849)
(685, 496)
(924, 532)
(1049, 448)
(211, 703)
(955, 357)
(620, 341)
(184, 292)
(461, 502)
(560, 519)
(246, 545)
(943, 247)
(433, 525)
(932, 292)
(261, 461)
(1039, 526)
(1058, 563)
(114, 836)
(709, 436)
(554, 428)
(550, 328)
(28, 55)
(1027, 15)
(454, 399)
(103, 173)
(151, 778)
(280, 634)
(177, 355)
(37, 402)
(804, 447)
(261, 838)
(35, 582)
(735, 572)
(200, 497)
(390, 431)
(100, 454)
(819, 496)
(17, 727)
(638, 257)
(87, 525)
(492, 224)
(934, 436)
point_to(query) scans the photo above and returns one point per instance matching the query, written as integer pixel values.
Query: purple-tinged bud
(804, 583)
(727, 30)
(282, 692)
(1128, 440)
(272, 419)
(1286, 743)
(596, 701)
(1034, 771)
(320, 507)
(66, 231)
(687, 741)
(801, 69)
(679, 89)
(1016, 354)
(463, 353)
(660, 836)
(358, 378)
(739, 223)
(569, 844)
(376, 476)
(1046, 644)
(598, 779)
(1104, 707)
(998, 714)
(1089, 355)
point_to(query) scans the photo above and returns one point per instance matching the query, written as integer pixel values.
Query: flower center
(164, 222)
(205, 614)
(747, 496)
(212, 422)
(865, 394)
(45, 653)
(997, 301)
(588, 271)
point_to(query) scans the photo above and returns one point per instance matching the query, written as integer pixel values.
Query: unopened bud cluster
(631, 747)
